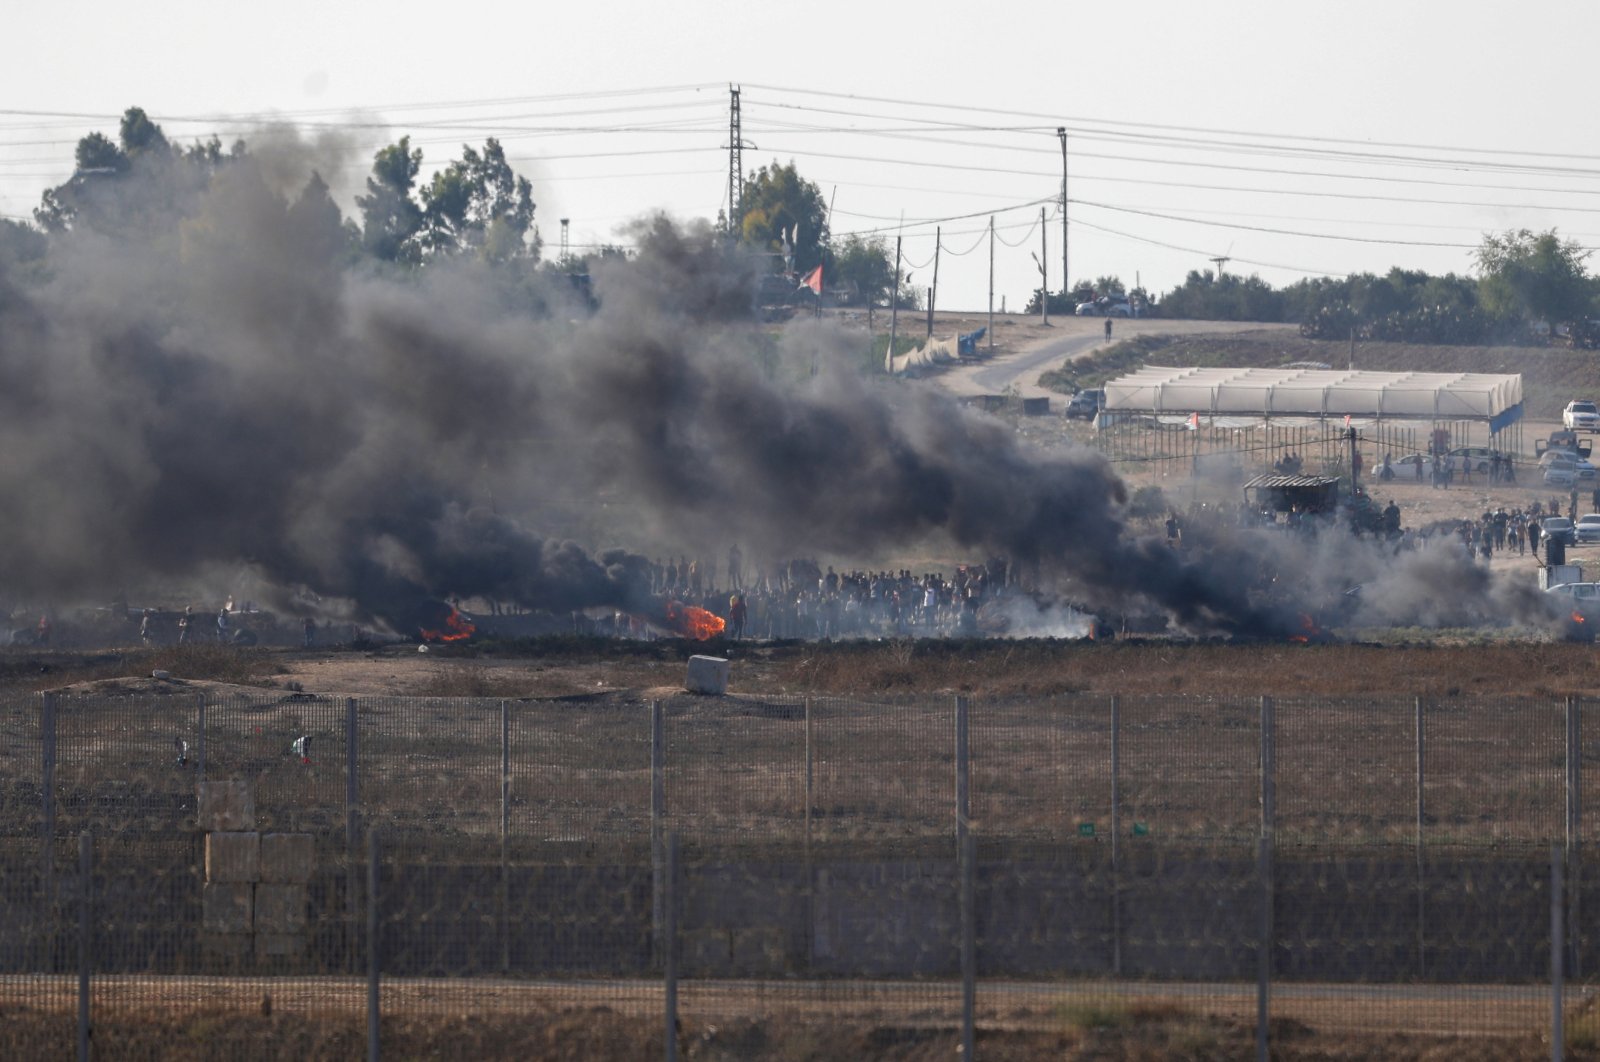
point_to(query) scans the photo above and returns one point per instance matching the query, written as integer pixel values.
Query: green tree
(1525, 276)
(313, 220)
(138, 187)
(866, 264)
(479, 205)
(390, 218)
(779, 204)
(140, 136)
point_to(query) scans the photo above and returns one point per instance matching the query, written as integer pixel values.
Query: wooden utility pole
(1044, 270)
(991, 283)
(1062, 133)
(933, 292)
(894, 303)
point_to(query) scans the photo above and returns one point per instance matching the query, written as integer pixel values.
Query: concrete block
(707, 674)
(281, 908)
(280, 945)
(226, 907)
(227, 806)
(287, 858)
(233, 857)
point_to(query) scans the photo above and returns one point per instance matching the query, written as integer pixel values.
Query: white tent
(1318, 393)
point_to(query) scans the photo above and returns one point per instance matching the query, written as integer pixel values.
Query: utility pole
(991, 283)
(735, 166)
(933, 292)
(1044, 270)
(1062, 133)
(894, 303)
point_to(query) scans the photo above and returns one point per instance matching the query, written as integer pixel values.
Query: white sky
(1397, 123)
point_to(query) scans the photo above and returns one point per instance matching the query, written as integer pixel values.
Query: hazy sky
(1255, 130)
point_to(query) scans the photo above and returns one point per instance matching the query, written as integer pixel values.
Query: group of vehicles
(1563, 459)
(1106, 306)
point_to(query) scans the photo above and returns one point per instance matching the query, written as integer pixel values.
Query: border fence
(289, 873)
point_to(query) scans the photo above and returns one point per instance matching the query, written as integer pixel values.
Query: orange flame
(1310, 627)
(456, 628)
(1577, 617)
(694, 622)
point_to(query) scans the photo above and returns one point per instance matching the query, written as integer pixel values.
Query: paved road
(1074, 337)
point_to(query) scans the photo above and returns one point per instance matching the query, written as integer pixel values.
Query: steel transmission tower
(735, 166)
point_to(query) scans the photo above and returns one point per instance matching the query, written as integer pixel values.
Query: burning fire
(455, 628)
(1577, 617)
(1310, 627)
(694, 622)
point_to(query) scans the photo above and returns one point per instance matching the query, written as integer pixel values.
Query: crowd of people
(800, 599)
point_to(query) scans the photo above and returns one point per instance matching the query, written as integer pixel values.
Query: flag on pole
(1194, 422)
(1347, 420)
(813, 280)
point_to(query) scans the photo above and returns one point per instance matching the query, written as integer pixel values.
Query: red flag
(1194, 422)
(813, 280)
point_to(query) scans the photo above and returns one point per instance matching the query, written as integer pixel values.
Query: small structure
(1292, 495)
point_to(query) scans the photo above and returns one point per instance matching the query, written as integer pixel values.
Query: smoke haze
(230, 391)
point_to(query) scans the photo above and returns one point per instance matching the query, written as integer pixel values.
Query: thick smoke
(227, 390)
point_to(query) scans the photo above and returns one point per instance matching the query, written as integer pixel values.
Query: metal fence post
(85, 901)
(669, 955)
(505, 837)
(200, 737)
(1422, 812)
(1269, 800)
(47, 784)
(374, 951)
(1557, 948)
(810, 793)
(966, 857)
(352, 795)
(1574, 827)
(1116, 835)
(658, 809)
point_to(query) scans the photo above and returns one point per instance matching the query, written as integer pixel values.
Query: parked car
(1581, 416)
(1105, 306)
(1559, 471)
(1558, 528)
(1587, 529)
(1086, 403)
(1585, 593)
(1479, 456)
(1563, 439)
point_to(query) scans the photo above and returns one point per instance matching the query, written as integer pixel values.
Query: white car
(1581, 416)
(1587, 529)
(1105, 306)
(1560, 472)
(1586, 593)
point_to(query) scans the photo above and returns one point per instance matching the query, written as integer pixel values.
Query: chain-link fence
(291, 874)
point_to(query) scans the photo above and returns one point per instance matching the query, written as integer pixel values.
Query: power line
(1279, 232)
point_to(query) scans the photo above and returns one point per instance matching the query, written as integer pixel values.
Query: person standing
(1108, 328)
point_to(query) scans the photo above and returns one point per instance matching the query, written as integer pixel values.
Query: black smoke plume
(225, 388)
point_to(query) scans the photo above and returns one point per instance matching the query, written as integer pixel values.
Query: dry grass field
(882, 717)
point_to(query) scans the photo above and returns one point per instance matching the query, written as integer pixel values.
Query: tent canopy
(1318, 393)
